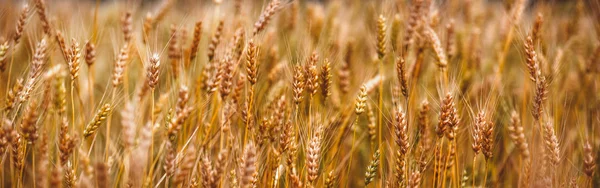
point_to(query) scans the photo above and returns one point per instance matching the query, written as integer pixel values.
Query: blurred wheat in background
(294, 93)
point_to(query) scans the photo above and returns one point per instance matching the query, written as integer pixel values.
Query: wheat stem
(380, 120)
(474, 169)
(151, 153)
(352, 148)
(72, 106)
(91, 88)
(108, 125)
(485, 173)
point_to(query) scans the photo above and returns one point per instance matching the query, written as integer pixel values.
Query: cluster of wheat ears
(291, 93)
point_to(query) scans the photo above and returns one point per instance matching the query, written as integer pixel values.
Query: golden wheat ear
(402, 143)
(40, 6)
(100, 116)
(265, 17)
(372, 168)
(248, 167)
(196, 40)
(21, 24)
(589, 162)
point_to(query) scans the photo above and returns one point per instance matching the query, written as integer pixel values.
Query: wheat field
(299, 93)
